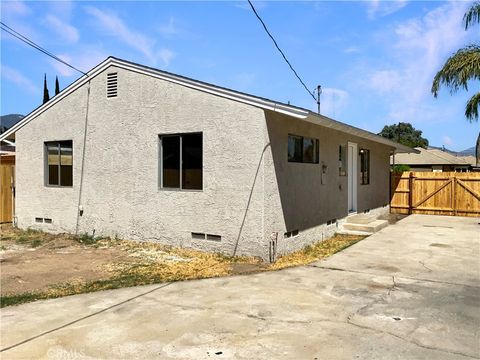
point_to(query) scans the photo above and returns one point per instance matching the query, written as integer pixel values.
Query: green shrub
(401, 168)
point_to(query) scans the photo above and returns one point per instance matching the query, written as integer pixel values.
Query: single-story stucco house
(133, 152)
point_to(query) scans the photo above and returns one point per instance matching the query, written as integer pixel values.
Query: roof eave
(352, 130)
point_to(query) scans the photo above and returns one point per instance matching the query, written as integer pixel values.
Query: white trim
(262, 103)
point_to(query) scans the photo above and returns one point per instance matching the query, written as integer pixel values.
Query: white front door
(352, 177)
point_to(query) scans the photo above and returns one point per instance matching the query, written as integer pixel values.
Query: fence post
(410, 193)
(454, 197)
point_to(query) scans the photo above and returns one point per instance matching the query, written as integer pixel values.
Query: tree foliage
(46, 95)
(405, 134)
(462, 67)
(57, 86)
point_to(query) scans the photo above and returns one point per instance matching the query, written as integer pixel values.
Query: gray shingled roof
(428, 157)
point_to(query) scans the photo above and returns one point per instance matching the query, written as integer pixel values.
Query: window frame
(316, 154)
(46, 170)
(160, 161)
(364, 163)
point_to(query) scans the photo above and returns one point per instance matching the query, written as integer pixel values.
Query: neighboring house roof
(294, 111)
(470, 159)
(429, 157)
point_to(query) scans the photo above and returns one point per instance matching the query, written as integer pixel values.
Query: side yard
(37, 265)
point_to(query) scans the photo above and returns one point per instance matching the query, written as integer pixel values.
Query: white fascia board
(214, 90)
(337, 125)
(67, 91)
(211, 89)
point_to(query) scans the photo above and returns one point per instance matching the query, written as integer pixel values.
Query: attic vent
(111, 85)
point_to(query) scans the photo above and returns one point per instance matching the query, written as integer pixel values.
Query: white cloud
(416, 49)
(447, 140)
(18, 8)
(333, 101)
(169, 29)
(19, 79)
(115, 26)
(66, 31)
(384, 81)
(378, 8)
(166, 56)
(85, 59)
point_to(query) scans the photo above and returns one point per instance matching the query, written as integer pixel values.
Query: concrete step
(352, 232)
(371, 227)
(360, 219)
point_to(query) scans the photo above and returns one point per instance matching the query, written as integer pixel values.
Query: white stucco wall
(120, 195)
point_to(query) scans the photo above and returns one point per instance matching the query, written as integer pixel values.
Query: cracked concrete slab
(334, 309)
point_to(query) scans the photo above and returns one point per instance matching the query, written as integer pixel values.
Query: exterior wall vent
(203, 236)
(290, 234)
(214, 237)
(47, 221)
(39, 220)
(112, 85)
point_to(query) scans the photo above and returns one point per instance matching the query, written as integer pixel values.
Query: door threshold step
(354, 232)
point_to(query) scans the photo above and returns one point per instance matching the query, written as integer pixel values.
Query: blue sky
(375, 60)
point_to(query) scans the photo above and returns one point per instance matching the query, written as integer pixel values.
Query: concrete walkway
(411, 291)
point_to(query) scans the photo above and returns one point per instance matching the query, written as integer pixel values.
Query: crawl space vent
(112, 85)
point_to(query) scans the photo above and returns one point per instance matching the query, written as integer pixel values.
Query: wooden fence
(435, 193)
(7, 190)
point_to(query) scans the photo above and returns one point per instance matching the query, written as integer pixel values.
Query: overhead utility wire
(280, 50)
(26, 40)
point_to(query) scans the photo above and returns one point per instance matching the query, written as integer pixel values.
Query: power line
(31, 43)
(280, 50)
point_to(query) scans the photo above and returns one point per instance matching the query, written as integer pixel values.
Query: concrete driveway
(411, 291)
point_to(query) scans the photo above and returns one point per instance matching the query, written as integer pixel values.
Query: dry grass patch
(38, 265)
(316, 251)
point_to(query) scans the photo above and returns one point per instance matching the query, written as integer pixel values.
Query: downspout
(79, 204)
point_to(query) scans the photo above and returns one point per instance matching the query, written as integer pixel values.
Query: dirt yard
(36, 265)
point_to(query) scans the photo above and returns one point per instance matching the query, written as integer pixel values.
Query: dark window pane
(53, 175)
(310, 151)
(52, 162)
(294, 148)
(192, 161)
(66, 175)
(171, 161)
(66, 163)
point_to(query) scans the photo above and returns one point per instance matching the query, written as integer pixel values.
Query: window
(181, 161)
(342, 160)
(365, 166)
(302, 149)
(59, 165)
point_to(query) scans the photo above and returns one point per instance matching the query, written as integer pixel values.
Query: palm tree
(462, 67)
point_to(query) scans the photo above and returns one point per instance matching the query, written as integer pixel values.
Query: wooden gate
(7, 189)
(435, 193)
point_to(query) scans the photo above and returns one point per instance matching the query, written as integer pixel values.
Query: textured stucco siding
(296, 198)
(121, 195)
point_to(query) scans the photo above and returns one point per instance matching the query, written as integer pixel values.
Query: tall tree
(405, 134)
(46, 95)
(57, 86)
(462, 67)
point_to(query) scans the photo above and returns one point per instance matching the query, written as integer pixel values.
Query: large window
(364, 166)
(181, 161)
(59, 161)
(302, 149)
